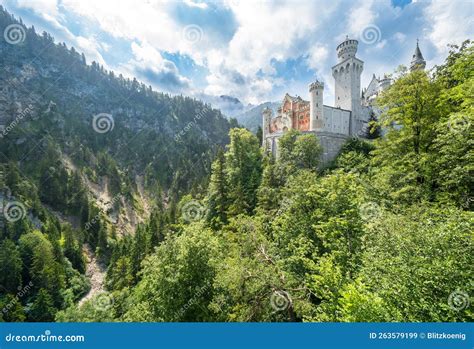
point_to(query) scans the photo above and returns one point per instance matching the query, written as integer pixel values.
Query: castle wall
(336, 120)
(330, 142)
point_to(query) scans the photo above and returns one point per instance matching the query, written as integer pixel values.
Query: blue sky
(253, 50)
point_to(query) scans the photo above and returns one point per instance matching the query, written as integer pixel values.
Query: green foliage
(218, 194)
(382, 234)
(10, 267)
(243, 170)
(415, 260)
(177, 280)
(42, 309)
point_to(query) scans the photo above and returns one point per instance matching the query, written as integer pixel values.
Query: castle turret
(346, 49)
(267, 116)
(417, 61)
(347, 76)
(384, 83)
(316, 90)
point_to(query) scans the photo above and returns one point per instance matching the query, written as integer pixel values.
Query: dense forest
(200, 224)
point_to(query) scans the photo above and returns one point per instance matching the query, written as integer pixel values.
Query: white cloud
(361, 16)
(400, 37)
(245, 63)
(49, 11)
(149, 65)
(190, 3)
(317, 56)
(451, 23)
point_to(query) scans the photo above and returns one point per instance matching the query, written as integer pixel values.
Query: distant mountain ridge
(252, 118)
(102, 126)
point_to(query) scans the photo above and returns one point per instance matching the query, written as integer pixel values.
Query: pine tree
(42, 309)
(218, 196)
(243, 170)
(10, 267)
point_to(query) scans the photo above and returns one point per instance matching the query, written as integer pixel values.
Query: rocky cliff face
(64, 117)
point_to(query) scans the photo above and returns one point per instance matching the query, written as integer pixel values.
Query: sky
(252, 50)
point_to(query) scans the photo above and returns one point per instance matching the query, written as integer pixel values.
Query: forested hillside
(384, 233)
(85, 156)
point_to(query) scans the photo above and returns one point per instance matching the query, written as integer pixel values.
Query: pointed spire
(417, 62)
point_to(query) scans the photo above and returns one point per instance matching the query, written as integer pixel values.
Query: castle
(332, 125)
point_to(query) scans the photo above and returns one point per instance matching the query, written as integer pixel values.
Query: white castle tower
(316, 90)
(346, 75)
(332, 125)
